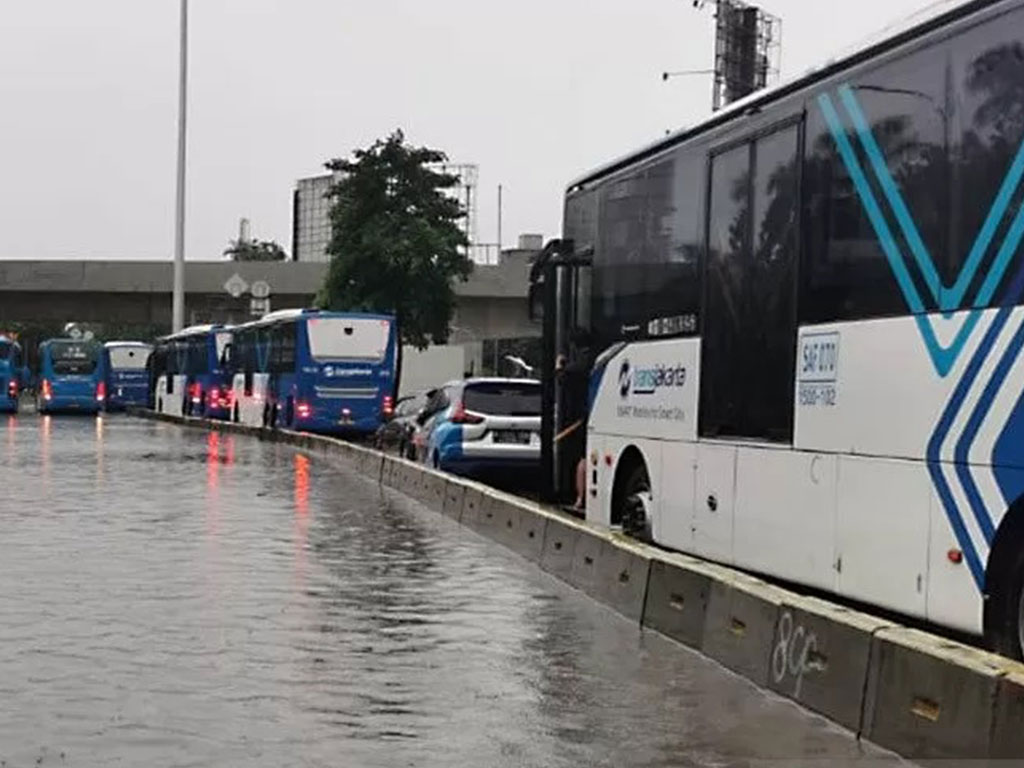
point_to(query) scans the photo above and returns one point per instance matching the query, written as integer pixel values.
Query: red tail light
(387, 407)
(303, 410)
(196, 393)
(462, 417)
(214, 396)
(47, 390)
(101, 392)
(12, 389)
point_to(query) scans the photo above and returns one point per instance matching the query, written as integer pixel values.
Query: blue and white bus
(189, 372)
(803, 322)
(70, 376)
(331, 372)
(126, 372)
(12, 375)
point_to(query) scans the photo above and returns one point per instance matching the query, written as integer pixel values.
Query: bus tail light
(388, 406)
(12, 389)
(346, 415)
(101, 392)
(303, 410)
(47, 390)
(196, 393)
(462, 417)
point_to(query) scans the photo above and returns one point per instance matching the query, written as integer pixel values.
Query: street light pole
(178, 296)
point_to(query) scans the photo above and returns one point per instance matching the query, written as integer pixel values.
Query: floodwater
(176, 598)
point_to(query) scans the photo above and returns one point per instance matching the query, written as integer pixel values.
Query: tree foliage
(255, 250)
(396, 244)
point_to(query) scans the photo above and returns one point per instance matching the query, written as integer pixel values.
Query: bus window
(344, 338)
(128, 358)
(73, 357)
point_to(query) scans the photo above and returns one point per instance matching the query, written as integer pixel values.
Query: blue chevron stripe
(948, 299)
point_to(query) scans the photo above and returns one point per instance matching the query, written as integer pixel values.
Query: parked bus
(12, 375)
(329, 372)
(70, 376)
(126, 372)
(803, 325)
(189, 374)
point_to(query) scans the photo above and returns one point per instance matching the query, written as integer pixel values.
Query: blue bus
(126, 373)
(70, 376)
(188, 373)
(12, 375)
(330, 372)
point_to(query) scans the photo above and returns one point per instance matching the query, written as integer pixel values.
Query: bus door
(560, 298)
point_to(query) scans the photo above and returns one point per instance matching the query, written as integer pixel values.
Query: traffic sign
(236, 285)
(259, 307)
(260, 289)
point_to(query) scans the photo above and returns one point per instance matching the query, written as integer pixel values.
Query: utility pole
(178, 294)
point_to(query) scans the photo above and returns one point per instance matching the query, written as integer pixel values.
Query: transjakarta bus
(70, 376)
(318, 371)
(126, 372)
(188, 369)
(12, 375)
(804, 324)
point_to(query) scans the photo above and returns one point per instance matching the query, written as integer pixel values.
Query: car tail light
(12, 389)
(388, 405)
(303, 410)
(461, 416)
(101, 392)
(47, 390)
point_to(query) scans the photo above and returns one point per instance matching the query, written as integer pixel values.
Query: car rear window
(503, 398)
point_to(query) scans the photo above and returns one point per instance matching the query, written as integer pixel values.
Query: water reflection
(99, 451)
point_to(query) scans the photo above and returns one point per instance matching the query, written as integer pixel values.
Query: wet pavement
(171, 597)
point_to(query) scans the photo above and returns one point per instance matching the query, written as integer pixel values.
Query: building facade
(311, 223)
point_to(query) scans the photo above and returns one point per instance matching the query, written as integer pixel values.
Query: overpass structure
(492, 304)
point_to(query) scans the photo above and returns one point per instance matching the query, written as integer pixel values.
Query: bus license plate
(516, 437)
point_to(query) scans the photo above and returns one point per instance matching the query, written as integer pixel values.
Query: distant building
(311, 224)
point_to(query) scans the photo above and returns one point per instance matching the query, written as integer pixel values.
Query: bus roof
(931, 17)
(294, 314)
(195, 330)
(127, 344)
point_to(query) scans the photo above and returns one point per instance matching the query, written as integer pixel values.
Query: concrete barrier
(820, 657)
(1008, 728)
(515, 526)
(560, 537)
(454, 498)
(930, 698)
(677, 599)
(473, 503)
(740, 625)
(624, 569)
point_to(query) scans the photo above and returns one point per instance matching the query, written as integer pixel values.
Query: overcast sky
(535, 92)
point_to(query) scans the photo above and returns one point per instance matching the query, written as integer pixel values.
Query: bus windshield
(344, 338)
(129, 358)
(73, 357)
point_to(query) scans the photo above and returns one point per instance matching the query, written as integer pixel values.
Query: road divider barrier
(914, 693)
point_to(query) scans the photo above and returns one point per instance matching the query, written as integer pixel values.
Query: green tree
(255, 250)
(396, 245)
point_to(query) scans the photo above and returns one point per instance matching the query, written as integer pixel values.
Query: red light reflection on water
(212, 462)
(301, 474)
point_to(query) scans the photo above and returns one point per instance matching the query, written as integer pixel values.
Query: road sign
(260, 289)
(259, 307)
(236, 285)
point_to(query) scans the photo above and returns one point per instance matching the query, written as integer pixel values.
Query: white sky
(535, 92)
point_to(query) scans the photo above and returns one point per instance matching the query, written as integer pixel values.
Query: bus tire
(234, 414)
(634, 505)
(289, 414)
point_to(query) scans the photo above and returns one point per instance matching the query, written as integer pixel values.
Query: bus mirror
(536, 300)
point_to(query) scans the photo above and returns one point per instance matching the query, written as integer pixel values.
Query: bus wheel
(1006, 633)
(635, 501)
(289, 414)
(234, 416)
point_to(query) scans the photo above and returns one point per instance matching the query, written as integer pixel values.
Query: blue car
(482, 427)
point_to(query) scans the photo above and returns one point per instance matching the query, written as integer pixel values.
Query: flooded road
(176, 598)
